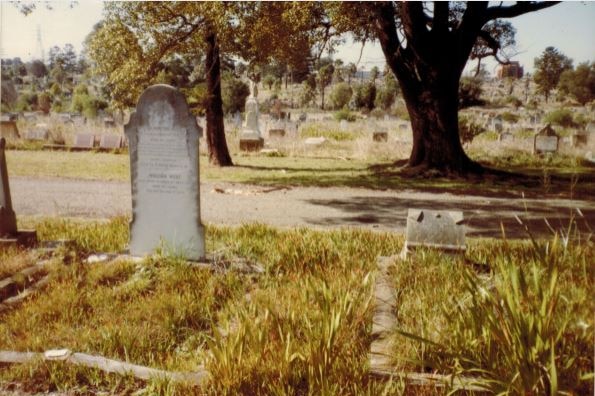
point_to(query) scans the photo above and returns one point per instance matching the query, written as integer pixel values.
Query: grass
(301, 327)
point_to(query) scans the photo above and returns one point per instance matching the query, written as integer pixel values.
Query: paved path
(234, 204)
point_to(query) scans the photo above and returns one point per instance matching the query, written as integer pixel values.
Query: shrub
(234, 94)
(81, 89)
(468, 130)
(514, 101)
(340, 95)
(561, 117)
(470, 92)
(44, 102)
(344, 114)
(510, 117)
(307, 94)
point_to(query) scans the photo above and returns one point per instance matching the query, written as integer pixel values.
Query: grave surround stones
(443, 230)
(546, 141)
(163, 140)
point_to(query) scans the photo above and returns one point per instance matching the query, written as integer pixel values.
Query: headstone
(546, 141)
(443, 230)
(8, 223)
(110, 142)
(381, 136)
(579, 139)
(343, 125)
(590, 127)
(78, 119)
(37, 134)
(303, 117)
(276, 133)
(9, 130)
(250, 139)
(163, 139)
(84, 141)
(8, 219)
(315, 141)
(505, 137)
(237, 119)
(109, 122)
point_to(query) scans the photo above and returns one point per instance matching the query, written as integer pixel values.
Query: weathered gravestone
(276, 133)
(110, 142)
(8, 129)
(250, 139)
(380, 136)
(505, 137)
(163, 140)
(84, 141)
(443, 230)
(8, 221)
(546, 141)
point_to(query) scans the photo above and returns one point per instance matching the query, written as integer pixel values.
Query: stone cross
(163, 140)
(8, 220)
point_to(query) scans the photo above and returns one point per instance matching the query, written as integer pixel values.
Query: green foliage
(234, 95)
(548, 69)
(514, 101)
(509, 117)
(387, 94)
(55, 90)
(44, 102)
(27, 101)
(307, 94)
(81, 89)
(344, 114)
(269, 80)
(468, 129)
(314, 130)
(364, 96)
(561, 117)
(470, 92)
(579, 83)
(340, 95)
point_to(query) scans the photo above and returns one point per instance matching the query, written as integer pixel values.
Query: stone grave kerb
(163, 106)
(8, 221)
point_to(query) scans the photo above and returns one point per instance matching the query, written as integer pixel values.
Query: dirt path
(234, 204)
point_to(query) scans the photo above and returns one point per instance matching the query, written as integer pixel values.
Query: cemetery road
(234, 204)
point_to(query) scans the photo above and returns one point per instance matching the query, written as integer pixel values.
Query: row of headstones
(72, 118)
(165, 181)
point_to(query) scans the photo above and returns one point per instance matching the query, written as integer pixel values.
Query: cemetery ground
(290, 311)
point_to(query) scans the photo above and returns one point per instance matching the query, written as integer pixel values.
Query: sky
(568, 26)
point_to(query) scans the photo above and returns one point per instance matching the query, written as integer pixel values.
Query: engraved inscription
(164, 166)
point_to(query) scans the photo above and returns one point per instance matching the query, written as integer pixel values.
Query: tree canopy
(548, 69)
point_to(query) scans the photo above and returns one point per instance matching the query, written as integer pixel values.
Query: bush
(510, 117)
(340, 95)
(234, 94)
(344, 114)
(561, 117)
(364, 96)
(307, 94)
(468, 130)
(44, 102)
(81, 89)
(470, 92)
(514, 101)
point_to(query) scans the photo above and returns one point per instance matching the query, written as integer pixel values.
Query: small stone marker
(110, 142)
(315, 141)
(381, 136)
(579, 139)
(343, 125)
(250, 139)
(276, 133)
(443, 230)
(546, 141)
(505, 137)
(84, 141)
(8, 221)
(163, 139)
(8, 129)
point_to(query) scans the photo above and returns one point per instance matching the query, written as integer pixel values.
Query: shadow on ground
(483, 218)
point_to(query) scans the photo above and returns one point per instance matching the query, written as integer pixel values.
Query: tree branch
(520, 8)
(440, 20)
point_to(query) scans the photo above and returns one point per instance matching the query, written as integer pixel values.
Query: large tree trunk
(432, 104)
(218, 152)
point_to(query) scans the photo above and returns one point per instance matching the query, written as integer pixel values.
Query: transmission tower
(40, 50)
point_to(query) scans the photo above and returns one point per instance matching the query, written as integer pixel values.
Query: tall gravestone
(250, 138)
(8, 220)
(163, 144)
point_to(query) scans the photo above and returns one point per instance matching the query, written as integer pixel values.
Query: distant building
(513, 69)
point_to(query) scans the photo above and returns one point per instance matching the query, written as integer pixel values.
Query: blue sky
(569, 26)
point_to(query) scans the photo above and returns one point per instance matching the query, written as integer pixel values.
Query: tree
(235, 92)
(579, 83)
(269, 80)
(324, 78)
(374, 72)
(351, 72)
(388, 93)
(427, 47)
(38, 69)
(340, 95)
(470, 92)
(548, 69)
(307, 94)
